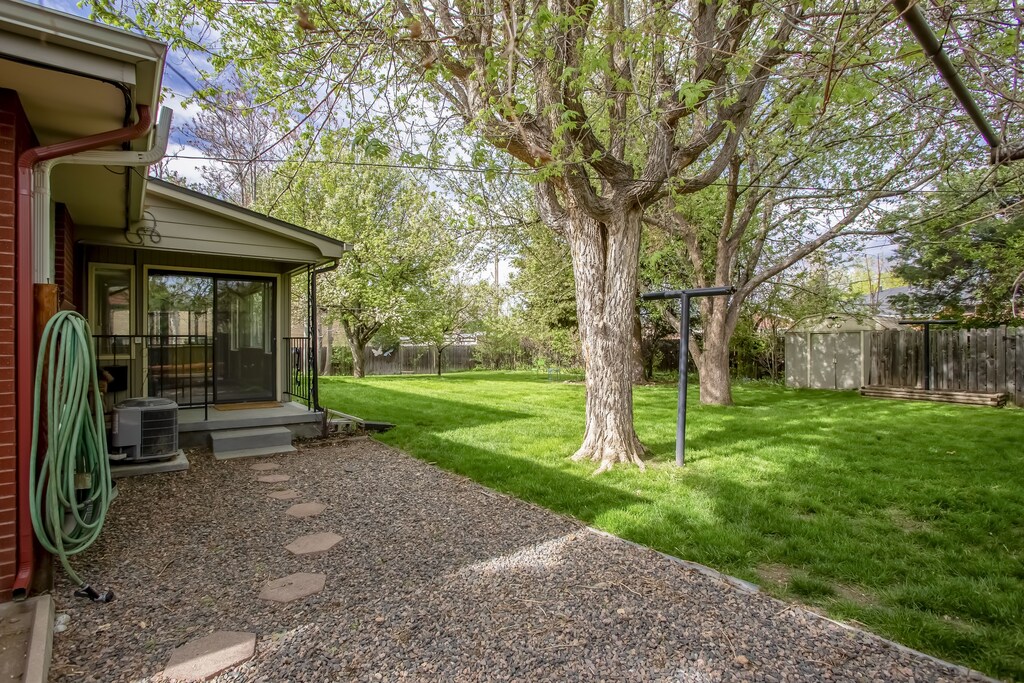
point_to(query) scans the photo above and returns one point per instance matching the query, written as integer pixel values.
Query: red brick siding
(64, 245)
(15, 136)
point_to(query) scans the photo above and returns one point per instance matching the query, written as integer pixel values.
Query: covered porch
(209, 305)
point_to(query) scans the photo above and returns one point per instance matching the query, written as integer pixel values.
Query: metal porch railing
(301, 385)
(174, 366)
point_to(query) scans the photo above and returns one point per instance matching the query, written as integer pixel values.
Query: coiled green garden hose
(74, 478)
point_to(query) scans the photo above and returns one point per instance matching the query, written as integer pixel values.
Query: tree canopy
(815, 117)
(400, 236)
(962, 252)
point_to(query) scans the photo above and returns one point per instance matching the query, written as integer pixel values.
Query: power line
(527, 173)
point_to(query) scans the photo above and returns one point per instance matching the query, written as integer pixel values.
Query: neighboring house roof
(881, 302)
(74, 78)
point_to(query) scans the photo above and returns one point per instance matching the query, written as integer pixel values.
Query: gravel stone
(440, 580)
(266, 466)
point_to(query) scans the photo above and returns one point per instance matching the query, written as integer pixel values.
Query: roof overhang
(74, 78)
(329, 248)
(182, 220)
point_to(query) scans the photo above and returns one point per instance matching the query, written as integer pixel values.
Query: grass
(905, 517)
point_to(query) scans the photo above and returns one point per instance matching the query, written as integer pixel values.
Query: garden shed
(831, 351)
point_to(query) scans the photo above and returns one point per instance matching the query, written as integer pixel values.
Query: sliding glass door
(243, 346)
(216, 331)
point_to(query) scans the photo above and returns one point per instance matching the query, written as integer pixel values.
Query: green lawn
(905, 517)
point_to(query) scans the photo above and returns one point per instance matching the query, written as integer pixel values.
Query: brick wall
(64, 246)
(15, 136)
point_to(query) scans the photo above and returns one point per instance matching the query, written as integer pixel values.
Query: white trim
(60, 28)
(66, 58)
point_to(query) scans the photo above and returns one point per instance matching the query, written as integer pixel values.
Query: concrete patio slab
(313, 543)
(202, 659)
(26, 637)
(266, 466)
(284, 494)
(293, 587)
(179, 463)
(305, 510)
(273, 478)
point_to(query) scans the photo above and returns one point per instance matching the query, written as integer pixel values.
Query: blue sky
(180, 78)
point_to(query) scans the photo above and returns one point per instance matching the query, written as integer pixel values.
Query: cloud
(187, 168)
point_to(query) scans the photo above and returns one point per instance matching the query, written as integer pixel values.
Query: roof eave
(329, 248)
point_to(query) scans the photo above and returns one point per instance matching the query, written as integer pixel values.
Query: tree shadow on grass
(424, 428)
(915, 503)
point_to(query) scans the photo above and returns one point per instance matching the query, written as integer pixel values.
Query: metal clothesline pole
(684, 296)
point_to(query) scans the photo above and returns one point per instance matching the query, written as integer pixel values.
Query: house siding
(64, 263)
(15, 137)
(170, 260)
(183, 229)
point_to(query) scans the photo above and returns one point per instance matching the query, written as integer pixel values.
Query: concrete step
(226, 440)
(253, 452)
(123, 468)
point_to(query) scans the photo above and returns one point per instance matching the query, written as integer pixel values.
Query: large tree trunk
(715, 388)
(356, 345)
(358, 357)
(712, 360)
(604, 259)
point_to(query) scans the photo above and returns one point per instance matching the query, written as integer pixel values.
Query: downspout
(24, 320)
(314, 312)
(43, 266)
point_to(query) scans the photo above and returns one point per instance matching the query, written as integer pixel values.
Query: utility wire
(528, 173)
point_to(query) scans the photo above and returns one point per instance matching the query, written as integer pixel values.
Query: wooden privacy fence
(418, 360)
(982, 361)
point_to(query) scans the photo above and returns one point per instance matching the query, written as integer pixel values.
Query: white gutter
(42, 222)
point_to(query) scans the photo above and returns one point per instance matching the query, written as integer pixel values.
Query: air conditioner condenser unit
(144, 429)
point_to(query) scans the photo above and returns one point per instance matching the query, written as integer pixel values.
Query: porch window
(111, 301)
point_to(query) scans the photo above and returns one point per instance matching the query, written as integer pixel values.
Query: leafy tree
(614, 104)
(448, 309)
(963, 258)
(398, 230)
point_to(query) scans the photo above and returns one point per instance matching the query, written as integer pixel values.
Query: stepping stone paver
(204, 658)
(306, 509)
(266, 466)
(293, 587)
(284, 494)
(313, 543)
(273, 478)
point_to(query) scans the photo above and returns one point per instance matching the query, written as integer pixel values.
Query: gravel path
(436, 578)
